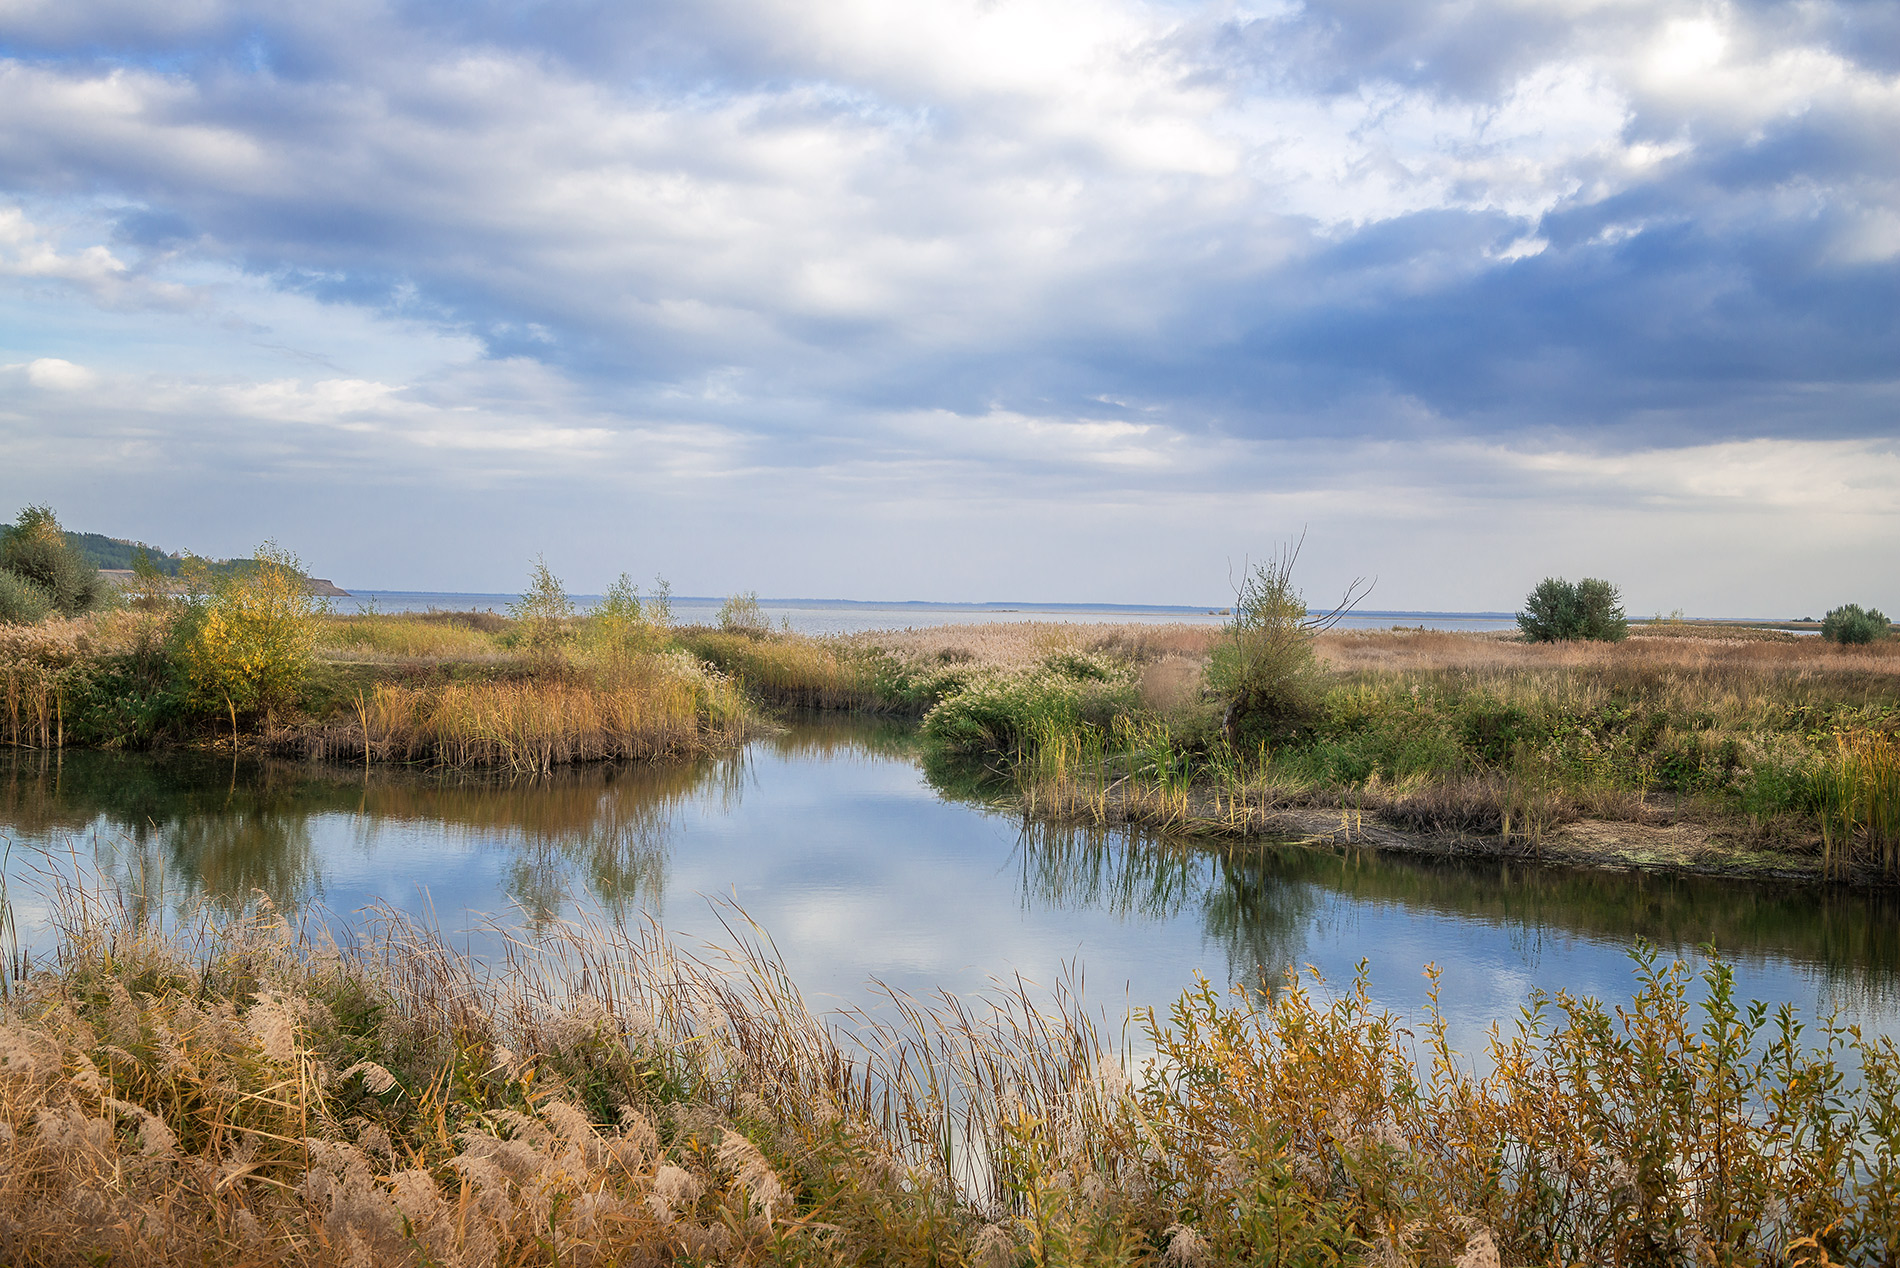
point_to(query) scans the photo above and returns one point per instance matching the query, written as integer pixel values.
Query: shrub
(35, 550)
(22, 602)
(620, 625)
(1264, 667)
(544, 614)
(250, 643)
(1012, 713)
(1560, 611)
(1850, 623)
(742, 614)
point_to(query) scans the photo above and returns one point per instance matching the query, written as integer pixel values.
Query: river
(835, 840)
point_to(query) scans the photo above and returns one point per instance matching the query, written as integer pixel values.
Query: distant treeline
(115, 553)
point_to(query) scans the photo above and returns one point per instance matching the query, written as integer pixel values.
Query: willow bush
(250, 642)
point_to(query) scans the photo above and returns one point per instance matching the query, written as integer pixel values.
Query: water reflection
(1263, 904)
(225, 832)
(863, 863)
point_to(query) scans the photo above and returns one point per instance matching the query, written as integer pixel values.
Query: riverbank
(227, 1091)
(1689, 747)
(460, 690)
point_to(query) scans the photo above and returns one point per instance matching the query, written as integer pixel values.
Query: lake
(835, 839)
(840, 616)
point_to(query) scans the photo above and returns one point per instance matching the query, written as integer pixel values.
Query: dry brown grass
(646, 708)
(239, 1096)
(1422, 651)
(1024, 644)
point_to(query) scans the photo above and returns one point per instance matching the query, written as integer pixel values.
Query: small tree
(659, 605)
(1560, 611)
(1265, 669)
(249, 643)
(544, 611)
(742, 614)
(620, 625)
(1850, 623)
(35, 550)
(151, 590)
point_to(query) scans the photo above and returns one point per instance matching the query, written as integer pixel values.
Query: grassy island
(1685, 746)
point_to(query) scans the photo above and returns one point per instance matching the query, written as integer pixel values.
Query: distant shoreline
(322, 587)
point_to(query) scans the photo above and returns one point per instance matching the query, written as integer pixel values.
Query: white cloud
(754, 256)
(53, 374)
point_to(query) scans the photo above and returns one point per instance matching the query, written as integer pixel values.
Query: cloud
(53, 374)
(1098, 251)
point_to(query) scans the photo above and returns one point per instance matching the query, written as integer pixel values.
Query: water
(836, 841)
(838, 616)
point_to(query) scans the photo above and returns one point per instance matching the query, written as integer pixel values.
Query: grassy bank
(238, 1095)
(1687, 746)
(463, 690)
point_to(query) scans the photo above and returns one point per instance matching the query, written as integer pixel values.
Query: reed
(789, 670)
(656, 707)
(227, 1091)
(42, 667)
(1859, 789)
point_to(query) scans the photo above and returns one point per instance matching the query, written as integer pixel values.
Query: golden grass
(237, 1095)
(403, 636)
(39, 664)
(1753, 660)
(790, 670)
(1860, 800)
(647, 708)
(1009, 645)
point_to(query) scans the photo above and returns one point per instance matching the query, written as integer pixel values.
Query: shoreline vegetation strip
(1687, 746)
(225, 1090)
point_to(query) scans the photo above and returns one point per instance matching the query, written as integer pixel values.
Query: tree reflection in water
(1256, 915)
(184, 826)
(1261, 903)
(196, 829)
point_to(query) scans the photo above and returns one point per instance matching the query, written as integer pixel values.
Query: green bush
(250, 643)
(1264, 668)
(620, 625)
(35, 550)
(22, 602)
(1850, 623)
(741, 614)
(1561, 611)
(544, 615)
(1011, 713)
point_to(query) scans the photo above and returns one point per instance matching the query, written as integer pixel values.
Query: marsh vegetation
(227, 1090)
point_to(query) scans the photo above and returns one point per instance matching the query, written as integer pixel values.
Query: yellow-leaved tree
(248, 641)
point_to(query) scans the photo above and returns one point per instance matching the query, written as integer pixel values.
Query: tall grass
(42, 667)
(414, 636)
(655, 707)
(229, 1092)
(1859, 790)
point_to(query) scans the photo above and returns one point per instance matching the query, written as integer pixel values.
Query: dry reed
(230, 1093)
(656, 707)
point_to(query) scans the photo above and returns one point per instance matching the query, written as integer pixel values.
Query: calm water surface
(837, 842)
(834, 616)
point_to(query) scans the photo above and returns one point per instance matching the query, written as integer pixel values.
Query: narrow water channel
(833, 838)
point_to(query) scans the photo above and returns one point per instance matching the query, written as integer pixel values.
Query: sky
(967, 300)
